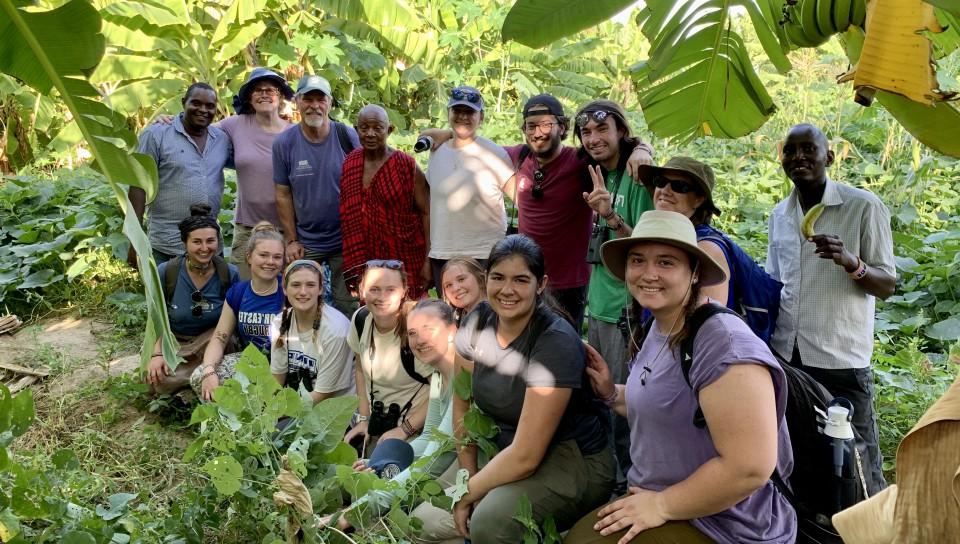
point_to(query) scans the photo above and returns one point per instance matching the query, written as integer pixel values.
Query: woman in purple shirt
(687, 483)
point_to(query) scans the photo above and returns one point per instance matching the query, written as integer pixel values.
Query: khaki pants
(565, 486)
(238, 251)
(672, 532)
(191, 350)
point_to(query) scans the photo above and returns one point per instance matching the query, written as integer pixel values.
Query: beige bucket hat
(662, 227)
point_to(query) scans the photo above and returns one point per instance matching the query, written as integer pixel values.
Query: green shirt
(607, 295)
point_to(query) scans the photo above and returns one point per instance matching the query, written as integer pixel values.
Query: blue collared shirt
(187, 176)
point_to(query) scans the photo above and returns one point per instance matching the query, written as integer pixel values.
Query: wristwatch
(361, 417)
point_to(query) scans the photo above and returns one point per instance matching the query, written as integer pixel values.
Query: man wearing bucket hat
(468, 176)
(688, 485)
(258, 105)
(307, 163)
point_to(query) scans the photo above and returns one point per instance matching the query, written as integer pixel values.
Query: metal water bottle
(839, 430)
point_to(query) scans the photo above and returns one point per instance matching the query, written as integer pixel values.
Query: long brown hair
(400, 329)
(639, 331)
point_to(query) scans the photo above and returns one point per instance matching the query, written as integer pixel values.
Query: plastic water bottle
(839, 430)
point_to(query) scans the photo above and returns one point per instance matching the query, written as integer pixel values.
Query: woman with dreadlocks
(310, 338)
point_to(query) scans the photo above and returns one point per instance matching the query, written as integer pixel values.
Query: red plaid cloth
(381, 222)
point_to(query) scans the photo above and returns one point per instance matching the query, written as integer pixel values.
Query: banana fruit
(806, 227)
(810, 23)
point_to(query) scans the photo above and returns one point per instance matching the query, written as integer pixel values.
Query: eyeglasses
(545, 126)
(391, 264)
(267, 91)
(537, 191)
(676, 185)
(197, 308)
(461, 94)
(599, 116)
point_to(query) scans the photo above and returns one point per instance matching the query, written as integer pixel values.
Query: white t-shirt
(328, 361)
(467, 215)
(391, 383)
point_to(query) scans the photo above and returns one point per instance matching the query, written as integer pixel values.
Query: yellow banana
(806, 227)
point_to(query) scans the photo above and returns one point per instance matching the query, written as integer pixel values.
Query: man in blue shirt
(190, 156)
(307, 160)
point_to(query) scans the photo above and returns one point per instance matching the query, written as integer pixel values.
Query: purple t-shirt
(253, 159)
(312, 171)
(666, 447)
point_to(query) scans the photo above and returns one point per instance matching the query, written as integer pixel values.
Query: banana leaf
(536, 23)
(47, 50)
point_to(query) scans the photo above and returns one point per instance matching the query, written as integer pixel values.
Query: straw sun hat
(661, 227)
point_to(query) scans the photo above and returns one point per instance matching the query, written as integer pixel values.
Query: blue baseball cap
(391, 457)
(465, 96)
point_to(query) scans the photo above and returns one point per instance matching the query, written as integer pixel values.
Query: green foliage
(534, 532)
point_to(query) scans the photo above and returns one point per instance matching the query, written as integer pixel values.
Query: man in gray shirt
(190, 156)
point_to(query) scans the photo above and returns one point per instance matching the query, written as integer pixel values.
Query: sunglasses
(676, 185)
(600, 116)
(197, 308)
(537, 191)
(461, 94)
(391, 264)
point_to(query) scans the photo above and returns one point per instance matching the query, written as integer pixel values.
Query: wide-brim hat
(700, 173)
(662, 227)
(241, 102)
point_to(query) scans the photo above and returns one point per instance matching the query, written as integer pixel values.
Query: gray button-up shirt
(822, 309)
(187, 176)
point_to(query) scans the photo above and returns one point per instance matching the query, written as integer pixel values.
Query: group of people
(603, 237)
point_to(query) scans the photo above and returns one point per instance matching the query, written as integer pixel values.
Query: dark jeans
(161, 257)
(437, 265)
(855, 385)
(574, 302)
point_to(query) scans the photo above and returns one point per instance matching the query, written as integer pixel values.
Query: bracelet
(609, 215)
(618, 226)
(293, 242)
(207, 373)
(407, 428)
(158, 355)
(611, 400)
(860, 272)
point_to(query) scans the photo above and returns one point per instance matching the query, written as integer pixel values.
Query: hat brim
(476, 107)
(646, 173)
(614, 256)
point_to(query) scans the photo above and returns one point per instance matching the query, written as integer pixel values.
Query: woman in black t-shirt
(528, 375)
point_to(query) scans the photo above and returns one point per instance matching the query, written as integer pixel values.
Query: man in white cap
(307, 160)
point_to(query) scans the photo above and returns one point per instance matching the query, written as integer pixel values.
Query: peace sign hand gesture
(599, 199)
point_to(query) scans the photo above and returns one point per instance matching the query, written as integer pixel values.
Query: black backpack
(406, 355)
(812, 488)
(173, 270)
(756, 296)
(343, 136)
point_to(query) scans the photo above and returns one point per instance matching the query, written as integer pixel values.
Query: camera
(382, 419)
(624, 324)
(599, 235)
(423, 143)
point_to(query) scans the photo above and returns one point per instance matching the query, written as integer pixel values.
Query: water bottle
(423, 143)
(839, 430)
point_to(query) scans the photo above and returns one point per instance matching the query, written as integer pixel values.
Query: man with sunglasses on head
(617, 201)
(307, 162)
(468, 176)
(551, 182)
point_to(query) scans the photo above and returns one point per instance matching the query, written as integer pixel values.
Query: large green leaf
(147, 93)
(699, 79)
(951, 6)
(392, 22)
(33, 51)
(538, 22)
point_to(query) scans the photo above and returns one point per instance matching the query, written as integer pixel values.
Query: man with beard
(551, 182)
(831, 281)
(618, 202)
(190, 156)
(384, 206)
(307, 161)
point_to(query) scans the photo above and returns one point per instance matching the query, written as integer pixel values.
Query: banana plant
(54, 51)
(698, 79)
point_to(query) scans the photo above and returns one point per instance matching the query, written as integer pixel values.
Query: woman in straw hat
(691, 483)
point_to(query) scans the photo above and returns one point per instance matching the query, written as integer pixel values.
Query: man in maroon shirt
(550, 184)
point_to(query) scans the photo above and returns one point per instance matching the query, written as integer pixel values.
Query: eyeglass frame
(660, 181)
(268, 91)
(538, 127)
(389, 264)
(472, 97)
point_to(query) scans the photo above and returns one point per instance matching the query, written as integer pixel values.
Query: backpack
(756, 296)
(406, 355)
(173, 270)
(343, 136)
(810, 490)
